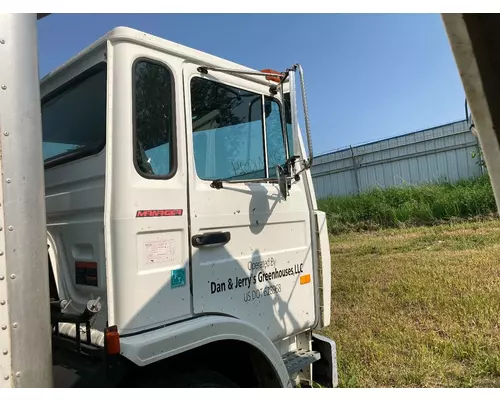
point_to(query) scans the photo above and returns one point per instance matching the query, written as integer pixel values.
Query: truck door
(146, 195)
(250, 249)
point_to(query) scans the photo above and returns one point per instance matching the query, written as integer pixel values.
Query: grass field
(418, 307)
(405, 206)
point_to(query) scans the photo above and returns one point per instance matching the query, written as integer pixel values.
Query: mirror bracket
(217, 184)
(283, 183)
(297, 69)
(273, 90)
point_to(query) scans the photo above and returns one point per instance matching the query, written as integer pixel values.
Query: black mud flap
(325, 369)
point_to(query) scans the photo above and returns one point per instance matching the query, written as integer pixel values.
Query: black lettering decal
(262, 271)
(299, 268)
(217, 287)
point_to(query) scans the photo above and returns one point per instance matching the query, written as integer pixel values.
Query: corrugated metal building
(442, 152)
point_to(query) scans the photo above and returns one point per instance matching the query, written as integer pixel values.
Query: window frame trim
(264, 133)
(65, 87)
(283, 133)
(286, 130)
(173, 143)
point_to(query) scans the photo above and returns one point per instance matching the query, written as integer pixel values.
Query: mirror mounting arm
(307, 163)
(217, 184)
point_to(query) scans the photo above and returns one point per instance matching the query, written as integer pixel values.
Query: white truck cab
(185, 246)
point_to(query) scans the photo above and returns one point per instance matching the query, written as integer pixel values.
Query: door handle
(211, 239)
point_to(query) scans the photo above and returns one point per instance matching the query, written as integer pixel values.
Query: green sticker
(178, 278)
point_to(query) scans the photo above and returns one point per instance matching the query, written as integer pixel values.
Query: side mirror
(282, 183)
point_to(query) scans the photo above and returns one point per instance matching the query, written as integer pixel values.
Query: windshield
(74, 118)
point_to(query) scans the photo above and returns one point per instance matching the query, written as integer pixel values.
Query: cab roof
(126, 34)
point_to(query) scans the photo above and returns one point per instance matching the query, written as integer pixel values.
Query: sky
(368, 76)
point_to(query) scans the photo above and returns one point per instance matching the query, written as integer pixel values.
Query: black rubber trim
(175, 323)
(85, 151)
(173, 142)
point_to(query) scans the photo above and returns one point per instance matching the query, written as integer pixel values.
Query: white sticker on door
(160, 251)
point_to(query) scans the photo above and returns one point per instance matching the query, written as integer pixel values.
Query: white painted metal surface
(153, 346)
(139, 230)
(25, 334)
(269, 237)
(143, 293)
(326, 268)
(75, 191)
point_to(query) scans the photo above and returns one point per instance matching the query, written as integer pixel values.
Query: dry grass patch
(418, 307)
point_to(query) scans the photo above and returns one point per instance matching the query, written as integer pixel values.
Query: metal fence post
(355, 170)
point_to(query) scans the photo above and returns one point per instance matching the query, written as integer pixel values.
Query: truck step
(300, 359)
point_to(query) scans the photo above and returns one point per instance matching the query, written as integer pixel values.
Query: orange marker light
(305, 279)
(112, 338)
(272, 78)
